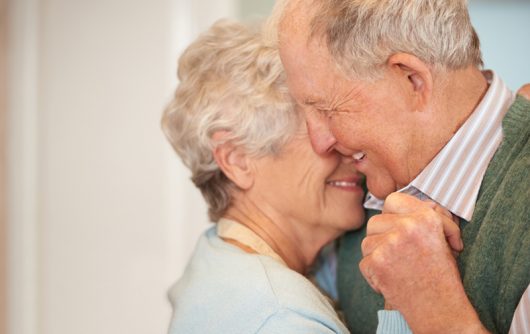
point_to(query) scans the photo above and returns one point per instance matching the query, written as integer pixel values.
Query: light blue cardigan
(225, 290)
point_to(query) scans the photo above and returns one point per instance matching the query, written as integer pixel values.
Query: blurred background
(98, 216)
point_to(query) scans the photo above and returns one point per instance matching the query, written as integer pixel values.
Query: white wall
(102, 216)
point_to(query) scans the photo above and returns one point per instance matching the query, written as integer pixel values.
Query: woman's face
(318, 190)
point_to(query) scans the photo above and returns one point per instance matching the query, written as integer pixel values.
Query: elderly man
(397, 87)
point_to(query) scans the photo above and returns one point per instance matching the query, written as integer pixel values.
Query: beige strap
(230, 229)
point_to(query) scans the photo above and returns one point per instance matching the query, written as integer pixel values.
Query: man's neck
(463, 93)
(455, 96)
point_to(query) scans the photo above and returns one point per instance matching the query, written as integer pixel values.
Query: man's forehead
(312, 73)
(328, 91)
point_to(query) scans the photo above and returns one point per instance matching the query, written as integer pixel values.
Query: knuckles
(408, 233)
(394, 201)
(366, 246)
(400, 245)
(418, 231)
(419, 224)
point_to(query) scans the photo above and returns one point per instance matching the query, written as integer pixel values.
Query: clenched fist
(407, 257)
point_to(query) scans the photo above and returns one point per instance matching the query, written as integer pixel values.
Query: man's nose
(322, 139)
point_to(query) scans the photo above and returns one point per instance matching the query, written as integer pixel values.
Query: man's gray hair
(362, 34)
(230, 80)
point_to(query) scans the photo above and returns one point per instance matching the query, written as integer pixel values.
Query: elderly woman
(275, 203)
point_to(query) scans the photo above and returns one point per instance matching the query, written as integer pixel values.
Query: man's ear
(233, 161)
(416, 74)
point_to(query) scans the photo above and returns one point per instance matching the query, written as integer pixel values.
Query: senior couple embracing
(283, 125)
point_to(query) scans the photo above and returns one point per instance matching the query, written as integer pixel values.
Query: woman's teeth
(342, 184)
(359, 156)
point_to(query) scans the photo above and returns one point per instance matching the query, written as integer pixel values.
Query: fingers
(382, 223)
(403, 203)
(371, 242)
(436, 207)
(368, 275)
(411, 243)
(452, 234)
(388, 223)
(451, 227)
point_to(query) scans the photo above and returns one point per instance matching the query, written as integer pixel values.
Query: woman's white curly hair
(231, 80)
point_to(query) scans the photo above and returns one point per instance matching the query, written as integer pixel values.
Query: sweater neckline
(230, 229)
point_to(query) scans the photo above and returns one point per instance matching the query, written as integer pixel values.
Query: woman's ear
(418, 76)
(233, 161)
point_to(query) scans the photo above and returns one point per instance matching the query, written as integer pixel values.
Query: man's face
(368, 121)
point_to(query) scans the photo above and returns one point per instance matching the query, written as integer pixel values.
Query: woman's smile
(351, 183)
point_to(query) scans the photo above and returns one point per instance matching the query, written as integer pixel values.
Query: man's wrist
(467, 323)
(457, 316)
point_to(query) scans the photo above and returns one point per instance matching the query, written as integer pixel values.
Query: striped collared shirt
(454, 176)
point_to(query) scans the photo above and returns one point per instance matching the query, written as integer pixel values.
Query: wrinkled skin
(413, 230)
(406, 254)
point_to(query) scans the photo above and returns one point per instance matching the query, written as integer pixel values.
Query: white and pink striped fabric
(521, 318)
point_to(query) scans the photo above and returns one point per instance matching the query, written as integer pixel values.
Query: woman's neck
(296, 248)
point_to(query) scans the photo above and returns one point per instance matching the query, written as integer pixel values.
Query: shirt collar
(454, 176)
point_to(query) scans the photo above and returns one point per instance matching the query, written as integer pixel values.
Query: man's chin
(381, 191)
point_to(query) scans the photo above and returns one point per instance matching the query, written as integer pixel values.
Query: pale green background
(503, 28)
(252, 8)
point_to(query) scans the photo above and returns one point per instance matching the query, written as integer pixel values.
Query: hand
(451, 230)
(407, 258)
(525, 91)
(452, 236)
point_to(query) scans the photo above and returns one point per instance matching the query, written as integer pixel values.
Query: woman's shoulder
(224, 289)
(301, 306)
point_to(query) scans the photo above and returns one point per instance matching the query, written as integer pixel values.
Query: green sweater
(495, 263)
